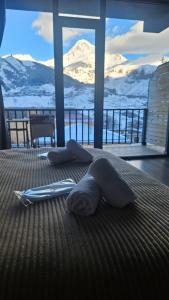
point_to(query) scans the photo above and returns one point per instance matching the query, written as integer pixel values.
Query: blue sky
(21, 37)
(31, 33)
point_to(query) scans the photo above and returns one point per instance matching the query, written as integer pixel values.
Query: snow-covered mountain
(79, 61)
(27, 82)
(82, 51)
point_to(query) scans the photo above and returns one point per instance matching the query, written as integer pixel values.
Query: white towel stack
(114, 189)
(84, 197)
(72, 151)
(60, 155)
(101, 177)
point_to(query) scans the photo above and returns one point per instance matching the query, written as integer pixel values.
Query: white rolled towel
(60, 155)
(84, 197)
(114, 189)
(79, 152)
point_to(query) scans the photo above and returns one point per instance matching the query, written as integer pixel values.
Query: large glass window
(26, 64)
(79, 84)
(132, 60)
(27, 69)
(135, 83)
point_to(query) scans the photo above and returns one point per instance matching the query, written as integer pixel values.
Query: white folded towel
(84, 197)
(60, 155)
(79, 152)
(114, 188)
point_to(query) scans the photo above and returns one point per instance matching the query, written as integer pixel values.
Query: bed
(46, 253)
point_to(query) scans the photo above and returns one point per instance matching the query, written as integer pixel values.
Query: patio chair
(42, 126)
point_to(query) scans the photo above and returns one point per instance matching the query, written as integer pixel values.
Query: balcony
(124, 130)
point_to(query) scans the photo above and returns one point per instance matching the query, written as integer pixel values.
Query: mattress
(46, 253)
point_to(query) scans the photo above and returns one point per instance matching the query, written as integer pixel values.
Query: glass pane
(136, 76)
(79, 84)
(26, 70)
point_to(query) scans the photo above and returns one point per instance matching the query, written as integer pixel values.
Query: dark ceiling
(154, 13)
(84, 5)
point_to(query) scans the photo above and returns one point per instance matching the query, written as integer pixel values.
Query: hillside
(30, 83)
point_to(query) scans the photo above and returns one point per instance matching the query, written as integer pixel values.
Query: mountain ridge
(30, 82)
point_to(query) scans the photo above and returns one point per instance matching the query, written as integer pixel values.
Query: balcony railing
(122, 126)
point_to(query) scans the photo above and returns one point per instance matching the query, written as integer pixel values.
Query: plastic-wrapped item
(45, 192)
(43, 155)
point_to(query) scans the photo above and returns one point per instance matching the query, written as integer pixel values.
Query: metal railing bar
(120, 121)
(88, 121)
(126, 118)
(132, 127)
(76, 123)
(119, 126)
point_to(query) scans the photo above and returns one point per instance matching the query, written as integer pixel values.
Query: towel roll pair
(72, 151)
(101, 179)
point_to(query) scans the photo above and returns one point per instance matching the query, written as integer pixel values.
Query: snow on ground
(117, 101)
(86, 134)
(128, 87)
(16, 64)
(28, 64)
(28, 102)
(83, 98)
(21, 57)
(2, 74)
(81, 101)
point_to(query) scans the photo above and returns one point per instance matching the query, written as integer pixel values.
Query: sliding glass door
(79, 76)
(79, 84)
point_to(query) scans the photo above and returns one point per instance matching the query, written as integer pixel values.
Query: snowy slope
(27, 82)
(82, 51)
(79, 62)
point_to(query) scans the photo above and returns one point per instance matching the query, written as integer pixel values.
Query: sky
(31, 33)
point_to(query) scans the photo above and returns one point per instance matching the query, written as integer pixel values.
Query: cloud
(43, 25)
(69, 33)
(135, 41)
(44, 28)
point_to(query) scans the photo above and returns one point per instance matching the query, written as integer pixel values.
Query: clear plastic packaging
(45, 192)
(43, 155)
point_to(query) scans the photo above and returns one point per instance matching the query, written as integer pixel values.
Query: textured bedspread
(48, 254)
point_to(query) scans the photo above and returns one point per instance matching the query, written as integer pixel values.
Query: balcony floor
(155, 167)
(134, 150)
(122, 150)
